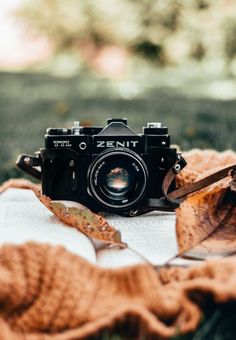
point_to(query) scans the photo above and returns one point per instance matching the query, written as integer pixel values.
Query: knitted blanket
(48, 293)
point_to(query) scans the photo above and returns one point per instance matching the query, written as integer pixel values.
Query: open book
(150, 238)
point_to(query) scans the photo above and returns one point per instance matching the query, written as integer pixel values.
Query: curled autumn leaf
(18, 183)
(198, 216)
(78, 216)
(206, 220)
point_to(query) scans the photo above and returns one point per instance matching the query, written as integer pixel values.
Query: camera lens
(118, 178)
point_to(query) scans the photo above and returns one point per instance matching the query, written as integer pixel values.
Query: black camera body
(109, 169)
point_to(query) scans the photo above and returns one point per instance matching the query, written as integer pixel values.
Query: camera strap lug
(28, 164)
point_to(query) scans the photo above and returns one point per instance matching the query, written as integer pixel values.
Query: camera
(111, 168)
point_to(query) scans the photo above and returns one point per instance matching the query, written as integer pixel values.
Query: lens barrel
(118, 179)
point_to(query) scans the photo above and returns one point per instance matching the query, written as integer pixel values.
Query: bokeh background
(172, 61)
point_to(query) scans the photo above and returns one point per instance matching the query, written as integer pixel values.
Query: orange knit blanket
(48, 293)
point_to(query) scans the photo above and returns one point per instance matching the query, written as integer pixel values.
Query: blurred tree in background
(165, 32)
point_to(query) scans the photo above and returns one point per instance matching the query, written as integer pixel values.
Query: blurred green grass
(32, 102)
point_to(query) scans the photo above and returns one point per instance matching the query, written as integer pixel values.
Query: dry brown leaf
(206, 228)
(222, 240)
(78, 216)
(18, 183)
(200, 215)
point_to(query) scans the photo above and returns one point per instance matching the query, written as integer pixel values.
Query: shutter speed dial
(155, 128)
(58, 132)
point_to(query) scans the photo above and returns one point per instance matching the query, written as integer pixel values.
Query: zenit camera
(110, 169)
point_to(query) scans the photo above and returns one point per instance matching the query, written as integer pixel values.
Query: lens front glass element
(117, 181)
(118, 178)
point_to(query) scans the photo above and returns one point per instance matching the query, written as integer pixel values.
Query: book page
(180, 261)
(152, 236)
(115, 258)
(24, 218)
